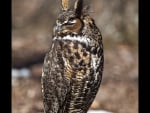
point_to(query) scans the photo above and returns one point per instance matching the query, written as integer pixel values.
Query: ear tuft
(65, 4)
(78, 7)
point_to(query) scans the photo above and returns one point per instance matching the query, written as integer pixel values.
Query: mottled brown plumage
(72, 70)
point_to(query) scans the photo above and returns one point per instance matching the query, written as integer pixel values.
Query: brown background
(32, 23)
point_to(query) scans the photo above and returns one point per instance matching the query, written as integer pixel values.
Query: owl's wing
(54, 85)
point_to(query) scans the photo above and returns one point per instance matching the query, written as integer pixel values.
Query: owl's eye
(71, 21)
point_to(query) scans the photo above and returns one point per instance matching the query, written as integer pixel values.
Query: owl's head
(69, 20)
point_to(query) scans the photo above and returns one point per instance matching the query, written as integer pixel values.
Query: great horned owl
(72, 70)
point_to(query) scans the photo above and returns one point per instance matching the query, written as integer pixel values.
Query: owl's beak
(58, 28)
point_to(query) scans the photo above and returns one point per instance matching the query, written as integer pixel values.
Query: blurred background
(32, 24)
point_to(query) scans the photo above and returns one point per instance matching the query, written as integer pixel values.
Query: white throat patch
(81, 39)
